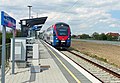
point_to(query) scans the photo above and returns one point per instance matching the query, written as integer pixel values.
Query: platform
(51, 70)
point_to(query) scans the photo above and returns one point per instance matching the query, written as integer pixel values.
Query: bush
(9, 35)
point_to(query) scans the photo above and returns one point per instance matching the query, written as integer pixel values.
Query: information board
(7, 20)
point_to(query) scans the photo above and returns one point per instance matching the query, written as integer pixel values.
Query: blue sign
(7, 20)
(34, 28)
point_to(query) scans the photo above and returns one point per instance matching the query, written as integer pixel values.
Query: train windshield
(62, 31)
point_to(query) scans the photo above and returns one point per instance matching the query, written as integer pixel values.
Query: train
(58, 35)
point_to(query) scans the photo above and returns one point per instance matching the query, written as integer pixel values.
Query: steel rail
(83, 67)
(102, 67)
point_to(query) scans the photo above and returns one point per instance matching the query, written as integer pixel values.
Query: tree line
(97, 36)
(9, 35)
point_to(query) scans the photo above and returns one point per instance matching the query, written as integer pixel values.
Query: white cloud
(115, 25)
(83, 15)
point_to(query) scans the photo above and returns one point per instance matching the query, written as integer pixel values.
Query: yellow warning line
(64, 66)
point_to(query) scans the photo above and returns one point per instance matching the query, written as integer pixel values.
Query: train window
(54, 34)
(62, 31)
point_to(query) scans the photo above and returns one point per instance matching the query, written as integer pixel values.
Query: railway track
(106, 74)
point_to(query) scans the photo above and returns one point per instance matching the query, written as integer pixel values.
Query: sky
(83, 16)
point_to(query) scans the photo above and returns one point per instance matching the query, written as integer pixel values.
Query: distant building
(78, 36)
(114, 35)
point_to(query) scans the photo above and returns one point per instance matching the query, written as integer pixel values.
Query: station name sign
(7, 20)
(34, 28)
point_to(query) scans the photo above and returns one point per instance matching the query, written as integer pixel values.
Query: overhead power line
(66, 10)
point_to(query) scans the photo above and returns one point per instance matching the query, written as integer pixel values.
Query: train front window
(62, 31)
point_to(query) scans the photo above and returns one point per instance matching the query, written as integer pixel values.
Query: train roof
(61, 23)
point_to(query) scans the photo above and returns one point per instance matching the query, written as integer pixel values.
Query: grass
(70, 48)
(93, 56)
(89, 54)
(103, 52)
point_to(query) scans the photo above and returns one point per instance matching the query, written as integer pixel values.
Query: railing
(7, 53)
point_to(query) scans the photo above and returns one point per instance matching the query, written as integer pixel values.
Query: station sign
(34, 28)
(7, 20)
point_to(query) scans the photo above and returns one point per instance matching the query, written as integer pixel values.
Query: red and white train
(58, 35)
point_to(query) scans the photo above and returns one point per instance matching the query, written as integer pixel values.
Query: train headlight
(56, 38)
(68, 38)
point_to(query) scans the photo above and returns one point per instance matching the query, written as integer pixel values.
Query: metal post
(37, 15)
(3, 54)
(13, 52)
(21, 23)
(29, 11)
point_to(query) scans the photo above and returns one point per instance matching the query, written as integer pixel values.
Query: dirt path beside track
(106, 52)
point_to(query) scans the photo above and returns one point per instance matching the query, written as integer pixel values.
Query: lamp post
(29, 10)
